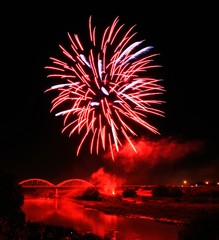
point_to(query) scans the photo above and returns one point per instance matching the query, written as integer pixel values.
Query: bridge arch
(36, 182)
(74, 183)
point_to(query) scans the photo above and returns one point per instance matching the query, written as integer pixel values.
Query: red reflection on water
(68, 213)
(39, 209)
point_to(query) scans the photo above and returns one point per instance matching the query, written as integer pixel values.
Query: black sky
(185, 35)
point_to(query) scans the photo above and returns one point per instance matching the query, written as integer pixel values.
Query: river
(70, 214)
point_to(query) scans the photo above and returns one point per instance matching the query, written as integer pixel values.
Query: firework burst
(102, 91)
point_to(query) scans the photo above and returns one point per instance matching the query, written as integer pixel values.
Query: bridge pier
(56, 192)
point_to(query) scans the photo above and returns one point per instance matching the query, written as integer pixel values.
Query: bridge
(37, 183)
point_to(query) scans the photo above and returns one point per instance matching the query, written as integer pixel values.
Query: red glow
(106, 182)
(67, 213)
(154, 152)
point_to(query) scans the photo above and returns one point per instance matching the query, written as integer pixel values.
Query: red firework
(102, 91)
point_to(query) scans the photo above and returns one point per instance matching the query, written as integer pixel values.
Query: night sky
(32, 145)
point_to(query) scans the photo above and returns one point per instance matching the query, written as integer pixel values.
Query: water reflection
(71, 214)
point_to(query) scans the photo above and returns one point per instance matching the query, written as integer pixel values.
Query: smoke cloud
(155, 152)
(154, 162)
(105, 181)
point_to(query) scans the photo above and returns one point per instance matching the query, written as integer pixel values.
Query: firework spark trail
(103, 89)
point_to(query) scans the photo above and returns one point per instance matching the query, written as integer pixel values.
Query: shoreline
(147, 218)
(160, 211)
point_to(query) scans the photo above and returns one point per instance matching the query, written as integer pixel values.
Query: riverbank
(165, 210)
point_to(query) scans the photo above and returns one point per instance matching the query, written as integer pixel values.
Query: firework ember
(102, 91)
